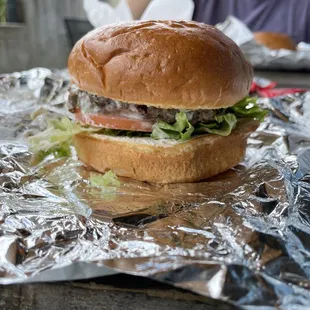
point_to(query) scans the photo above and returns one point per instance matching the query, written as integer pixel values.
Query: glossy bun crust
(167, 64)
(194, 160)
(275, 40)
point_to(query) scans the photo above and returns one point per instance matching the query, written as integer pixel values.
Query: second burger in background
(275, 40)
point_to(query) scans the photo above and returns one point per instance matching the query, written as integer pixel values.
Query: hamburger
(161, 101)
(275, 40)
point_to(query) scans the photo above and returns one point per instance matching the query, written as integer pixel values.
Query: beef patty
(85, 102)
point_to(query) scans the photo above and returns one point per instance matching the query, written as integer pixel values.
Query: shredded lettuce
(56, 139)
(223, 126)
(104, 180)
(248, 108)
(104, 185)
(182, 129)
(59, 151)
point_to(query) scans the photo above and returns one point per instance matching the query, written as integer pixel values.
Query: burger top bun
(275, 40)
(166, 64)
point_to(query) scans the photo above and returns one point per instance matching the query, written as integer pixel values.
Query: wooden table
(113, 292)
(121, 291)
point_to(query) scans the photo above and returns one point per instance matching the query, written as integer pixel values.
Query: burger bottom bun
(154, 161)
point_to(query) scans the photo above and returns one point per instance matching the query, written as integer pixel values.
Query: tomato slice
(113, 122)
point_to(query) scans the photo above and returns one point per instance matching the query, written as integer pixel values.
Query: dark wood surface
(114, 292)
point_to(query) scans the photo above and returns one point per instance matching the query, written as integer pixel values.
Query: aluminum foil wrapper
(262, 57)
(242, 237)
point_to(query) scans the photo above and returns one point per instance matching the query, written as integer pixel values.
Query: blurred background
(37, 33)
(42, 32)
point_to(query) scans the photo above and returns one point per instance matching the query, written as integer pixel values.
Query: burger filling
(102, 115)
(120, 118)
(82, 102)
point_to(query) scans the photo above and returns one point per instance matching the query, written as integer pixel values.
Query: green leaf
(104, 185)
(104, 180)
(56, 139)
(248, 108)
(62, 150)
(182, 129)
(223, 125)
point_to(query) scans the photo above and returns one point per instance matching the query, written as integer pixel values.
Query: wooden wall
(42, 39)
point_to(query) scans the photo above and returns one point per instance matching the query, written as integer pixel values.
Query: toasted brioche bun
(166, 64)
(275, 40)
(164, 161)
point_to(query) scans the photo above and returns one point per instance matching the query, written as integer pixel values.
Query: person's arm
(137, 7)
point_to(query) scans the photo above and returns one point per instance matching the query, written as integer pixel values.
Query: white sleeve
(169, 9)
(102, 13)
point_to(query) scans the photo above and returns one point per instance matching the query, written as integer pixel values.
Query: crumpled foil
(242, 237)
(262, 57)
